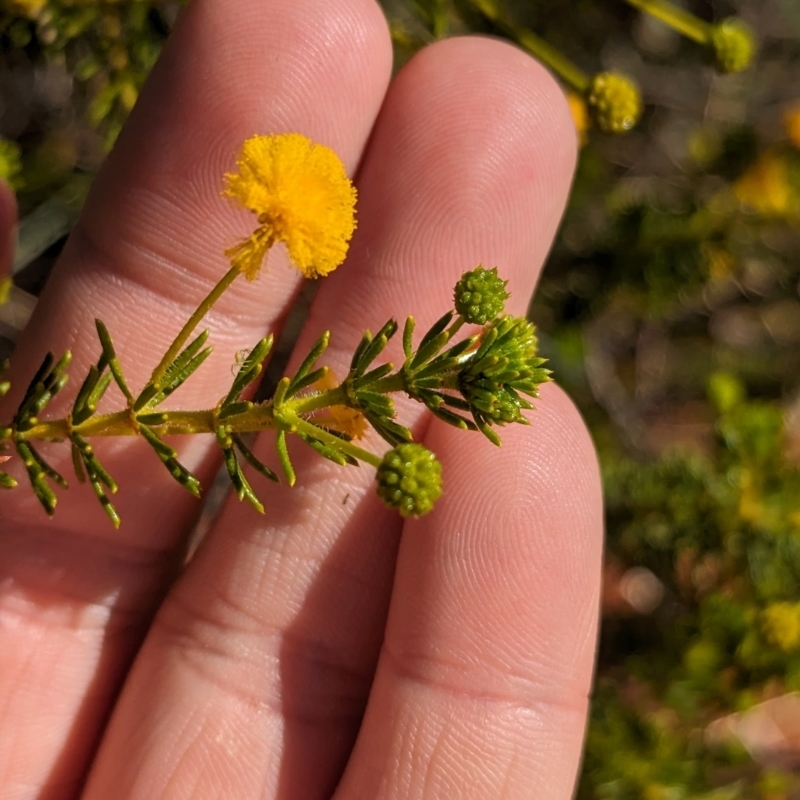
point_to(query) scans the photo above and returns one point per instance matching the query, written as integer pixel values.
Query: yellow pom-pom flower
(303, 198)
(734, 45)
(765, 186)
(615, 102)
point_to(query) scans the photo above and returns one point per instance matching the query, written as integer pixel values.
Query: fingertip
(483, 682)
(486, 131)
(521, 105)
(524, 522)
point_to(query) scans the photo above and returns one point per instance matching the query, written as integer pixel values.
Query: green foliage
(722, 530)
(109, 48)
(485, 375)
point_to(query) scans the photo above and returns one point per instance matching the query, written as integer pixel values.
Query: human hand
(328, 648)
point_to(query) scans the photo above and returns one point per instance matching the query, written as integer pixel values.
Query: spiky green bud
(410, 479)
(480, 295)
(615, 102)
(734, 45)
(504, 367)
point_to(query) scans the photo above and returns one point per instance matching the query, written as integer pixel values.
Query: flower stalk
(569, 72)
(731, 43)
(192, 323)
(679, 19)
(613, 99)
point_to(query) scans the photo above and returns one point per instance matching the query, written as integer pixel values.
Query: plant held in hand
(302, 197)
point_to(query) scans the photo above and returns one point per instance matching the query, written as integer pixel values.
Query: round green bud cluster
(410, 479)
(504, 367)
(480, 295)
(615, 102)
(734, 45)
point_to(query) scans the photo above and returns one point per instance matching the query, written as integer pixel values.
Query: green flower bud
(410, 479)
(480, 295)
(504, 367)
(734, 45)
(615, 102)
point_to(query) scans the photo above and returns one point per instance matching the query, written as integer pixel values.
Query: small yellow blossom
(781, 625)
(614, 101)
(344, 419)
(765, 187)
(303, 198)
(791, 124)
(580, 116)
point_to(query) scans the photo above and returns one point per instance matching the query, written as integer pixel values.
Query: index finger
(76, 595)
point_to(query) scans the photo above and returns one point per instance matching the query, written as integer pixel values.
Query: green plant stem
(176, 423)
(337, 443)
(569, 72)
(201, 310)
(338, 397)
(172, 423)
(677, 18)
(258, 418)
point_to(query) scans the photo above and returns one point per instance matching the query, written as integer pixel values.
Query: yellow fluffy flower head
(734, 45)
(303, 198)
(765, 186)
(614, 101)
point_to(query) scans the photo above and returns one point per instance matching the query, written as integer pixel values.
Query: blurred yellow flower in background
(303, 198)
(791, 123)
(764, 186)
(781, 625)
